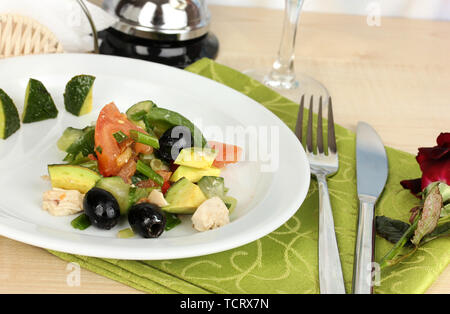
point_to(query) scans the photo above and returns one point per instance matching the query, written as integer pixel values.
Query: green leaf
(389, 259)
(168, 118)
(390, 229)
(440, 231)
(445, 211)
(430, 215)
(444, 189)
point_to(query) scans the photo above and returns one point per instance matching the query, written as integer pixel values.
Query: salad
(148, 165)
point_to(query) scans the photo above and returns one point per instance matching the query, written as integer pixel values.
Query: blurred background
(423, 9)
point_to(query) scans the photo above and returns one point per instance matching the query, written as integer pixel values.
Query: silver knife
(371, 173)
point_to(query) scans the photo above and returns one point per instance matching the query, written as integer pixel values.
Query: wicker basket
(20, 35)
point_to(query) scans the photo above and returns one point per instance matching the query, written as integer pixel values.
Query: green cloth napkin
(286, 261)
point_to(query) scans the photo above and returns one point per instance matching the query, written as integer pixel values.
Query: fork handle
(330, 271)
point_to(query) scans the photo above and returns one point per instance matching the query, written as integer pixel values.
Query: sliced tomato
(142, 148)
(226, 153)
(150, 183)
(110, 121)
(164, 174)
(92, 157)
(147, 184)
(127, 171)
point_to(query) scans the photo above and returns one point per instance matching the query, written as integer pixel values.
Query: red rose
(434, 163)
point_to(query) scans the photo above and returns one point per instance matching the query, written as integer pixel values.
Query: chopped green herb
(143, 138)
(120, 136)
(82, 222)
(125, 233)
(99, 149)
(172, 221)
(149, 173)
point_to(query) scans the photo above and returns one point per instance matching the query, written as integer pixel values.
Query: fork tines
(332, 148)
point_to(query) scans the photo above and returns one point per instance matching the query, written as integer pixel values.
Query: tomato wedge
(150, 183)
(111, 121)
(226, 153)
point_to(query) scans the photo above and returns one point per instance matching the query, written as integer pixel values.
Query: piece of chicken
(157, 198)
(211, 214)
(59, 202)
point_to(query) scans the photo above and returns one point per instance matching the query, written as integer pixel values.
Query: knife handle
(331, 279)
(364, 252)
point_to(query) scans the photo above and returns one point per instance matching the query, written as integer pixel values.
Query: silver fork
(323, 165)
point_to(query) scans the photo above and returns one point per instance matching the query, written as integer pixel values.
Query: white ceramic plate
(266, 199)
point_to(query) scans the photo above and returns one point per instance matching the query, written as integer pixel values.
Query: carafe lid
(169, 20)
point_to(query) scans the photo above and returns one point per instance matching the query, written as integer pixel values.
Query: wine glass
(282, 77)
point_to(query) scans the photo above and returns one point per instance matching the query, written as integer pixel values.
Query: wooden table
(396, 77)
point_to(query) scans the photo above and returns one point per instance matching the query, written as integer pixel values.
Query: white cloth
(64, 18)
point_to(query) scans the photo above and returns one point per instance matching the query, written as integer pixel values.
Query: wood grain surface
(395, 77)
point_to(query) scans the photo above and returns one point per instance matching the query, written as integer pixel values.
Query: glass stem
(283, 73)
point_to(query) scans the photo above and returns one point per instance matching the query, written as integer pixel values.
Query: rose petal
(414, 185)
(434, 162)
(443, 140)
(426, 153)
(437, 171)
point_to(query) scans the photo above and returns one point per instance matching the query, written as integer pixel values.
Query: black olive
(102, 208)
(147, 220)
(173, 141)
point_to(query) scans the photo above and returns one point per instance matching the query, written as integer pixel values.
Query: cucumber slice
(230, 203)
(147, 158)
(125, 195)
(9, 116)
(119, 189)
(138, 193)
(82, 146)
(138, 111)
(78, 94)
(212, 186)
(215, 186)
(69, 136)
(39, 104)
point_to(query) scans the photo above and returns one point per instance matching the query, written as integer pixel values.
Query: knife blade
(371, 174)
